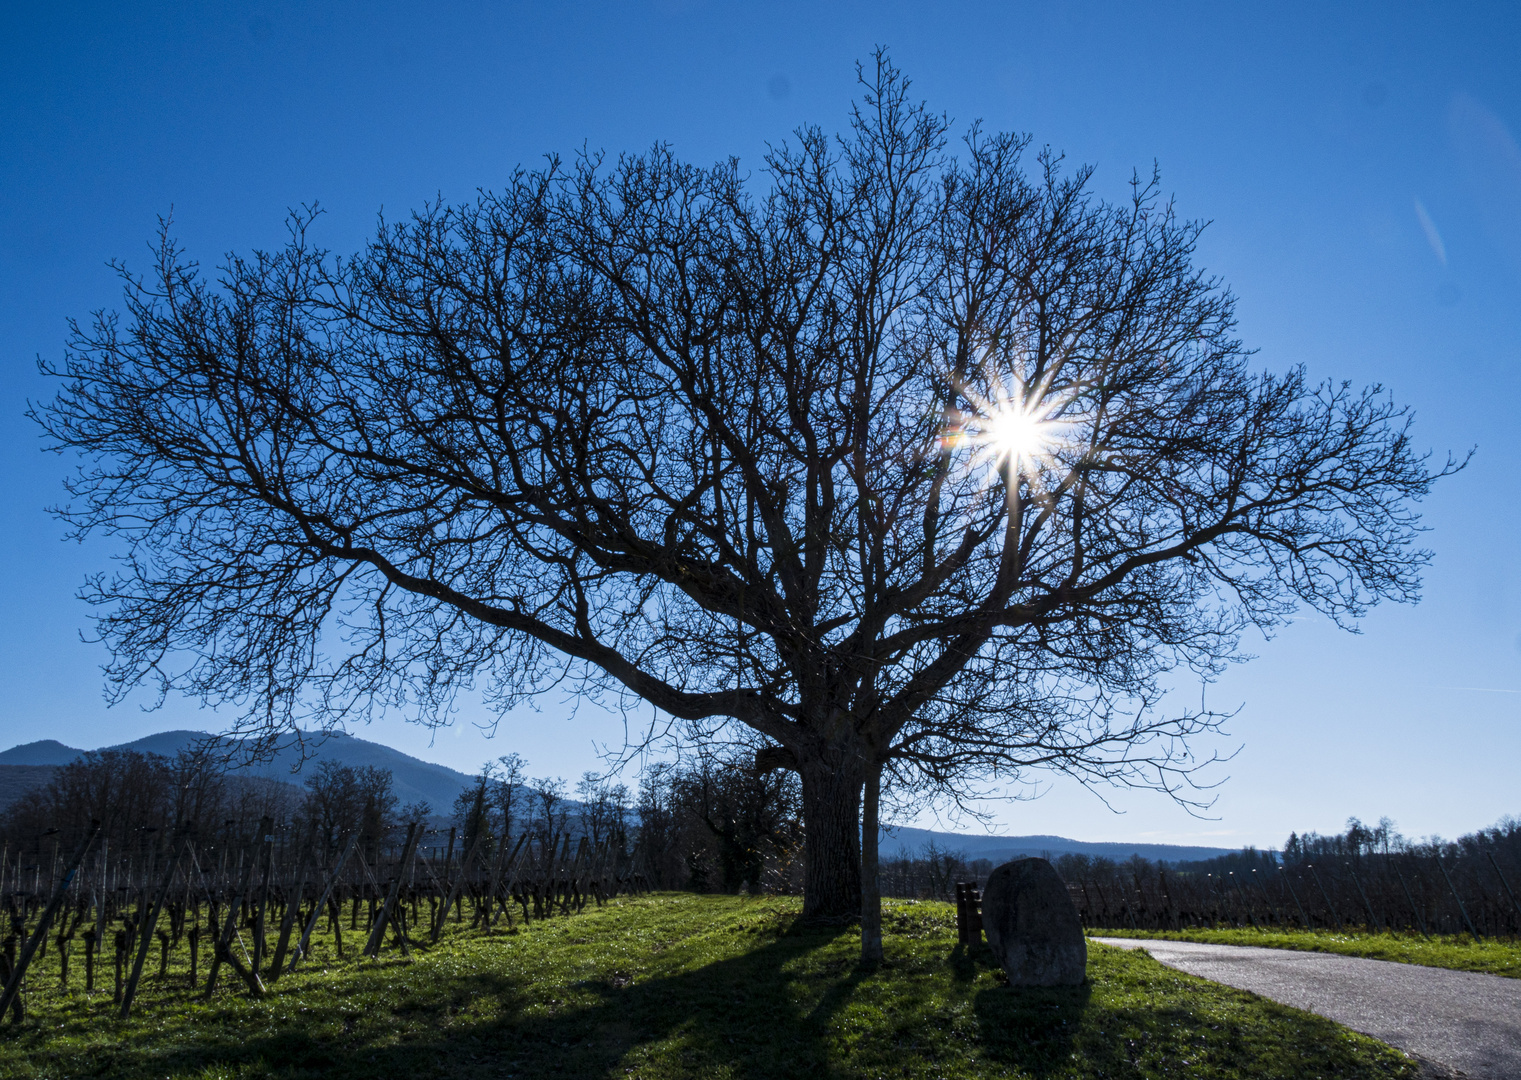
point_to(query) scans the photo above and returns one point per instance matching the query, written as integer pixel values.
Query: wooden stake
(13, 984)
(459, 880)
(145, 938)
(320, 907)
(378, 928)
(222, 946)
(292, 909)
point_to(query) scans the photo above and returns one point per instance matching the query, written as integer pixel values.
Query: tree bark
(871, 887)
(832, 823)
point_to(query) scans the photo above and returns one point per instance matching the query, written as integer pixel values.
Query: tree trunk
(832, 825)
(871, 888)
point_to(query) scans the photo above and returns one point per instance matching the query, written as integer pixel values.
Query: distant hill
(902, 840)
(415, 780)
(45, 752)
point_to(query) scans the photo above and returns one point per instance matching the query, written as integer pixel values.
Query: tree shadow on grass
(1033, 1030)
(745, 1017)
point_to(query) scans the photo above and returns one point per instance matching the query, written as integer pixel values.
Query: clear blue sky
(1359, 162)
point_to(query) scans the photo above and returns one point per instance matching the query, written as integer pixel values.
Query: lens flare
(1016, 434)
(1018, 429)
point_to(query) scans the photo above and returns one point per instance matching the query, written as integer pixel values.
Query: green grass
(687, 986)
(1457, 951)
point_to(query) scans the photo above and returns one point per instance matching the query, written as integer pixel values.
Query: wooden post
(292, 909)
(1327, 897)
(382, 917)
(222, 946)
(121, 957)
(1490, 855)
(1373, 918)
(1288, 884)
(1272, 908)
(335, 916)
(1420, 919)
(257, 958)
(151, 923)
(510, 872)
(320, 907)
(1461, 909)
(100, 906)
(458, 882)
(90, 942)
(487, 907)
(13, 984)
(64, 940)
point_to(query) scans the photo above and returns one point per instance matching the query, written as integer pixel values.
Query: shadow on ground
(1034, 1031)
(767, 1013)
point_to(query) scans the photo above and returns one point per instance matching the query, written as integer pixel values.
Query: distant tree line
(1368, 877)
(709, 824)
(1359, 840)
(137, 797)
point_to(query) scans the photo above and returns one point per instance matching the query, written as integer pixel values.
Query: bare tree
(905, 459)
(752, 816)
(501, 785)
(341, 800)
(509, 779)
(604, 807)
(550, 812)
(472, 816)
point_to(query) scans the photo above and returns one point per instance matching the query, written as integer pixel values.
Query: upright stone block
(1032, 925)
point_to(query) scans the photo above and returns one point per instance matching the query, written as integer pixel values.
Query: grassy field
(688, 986)
(1457, 951)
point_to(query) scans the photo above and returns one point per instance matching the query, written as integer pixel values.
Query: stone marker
(1032, 925)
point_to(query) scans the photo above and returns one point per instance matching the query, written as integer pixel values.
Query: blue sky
(1359, 163)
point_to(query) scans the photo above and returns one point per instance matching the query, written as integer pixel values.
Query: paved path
(1458, 1019)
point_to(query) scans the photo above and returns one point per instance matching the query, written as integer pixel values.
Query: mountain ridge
(414, 780)
(904, 840)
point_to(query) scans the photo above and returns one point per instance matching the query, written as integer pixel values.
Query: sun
(1017, 435)
(1016, 428)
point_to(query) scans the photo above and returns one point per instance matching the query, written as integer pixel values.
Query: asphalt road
(1466, 1022)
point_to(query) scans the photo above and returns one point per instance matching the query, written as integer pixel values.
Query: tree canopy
(905, 455)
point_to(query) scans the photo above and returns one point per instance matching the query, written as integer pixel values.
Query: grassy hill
(688, 986)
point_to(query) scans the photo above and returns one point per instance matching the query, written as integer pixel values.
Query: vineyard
(1426, 894)
(244, 912)
(1464, 889)
(1366, 879)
